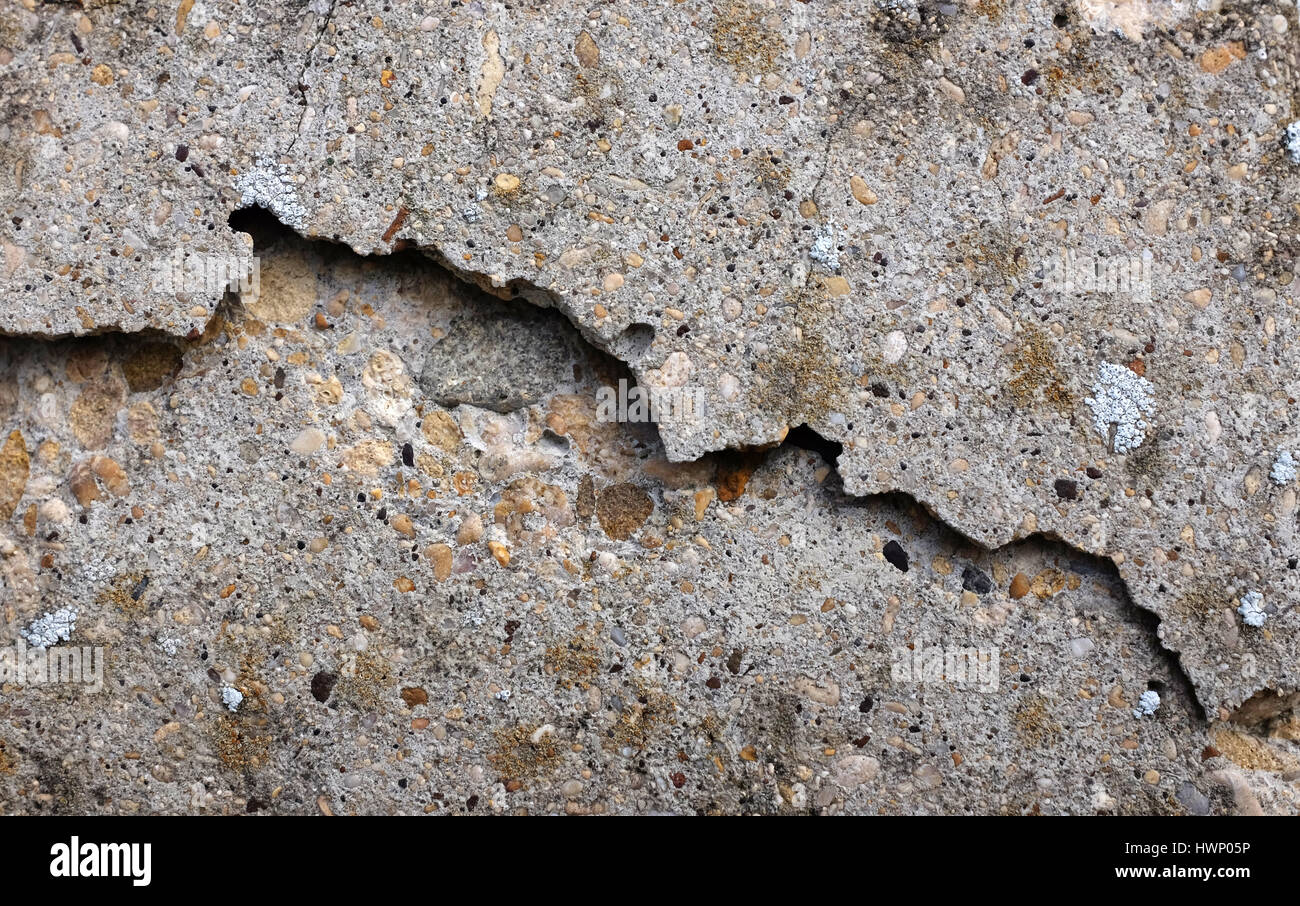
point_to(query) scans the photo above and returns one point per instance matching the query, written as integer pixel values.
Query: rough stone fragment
(507, 375)
(622, 509)
(15, 466)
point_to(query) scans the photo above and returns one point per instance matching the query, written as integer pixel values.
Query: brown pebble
(14, 468)
(112, 475)
(1019, 586)
(499, 552)
(441, 430)
(81, 479)
(441, 556)
(149, 365)
(586, 51)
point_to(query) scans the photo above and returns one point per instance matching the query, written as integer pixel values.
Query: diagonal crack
(301, 86)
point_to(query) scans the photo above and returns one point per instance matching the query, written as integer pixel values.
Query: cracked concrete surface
(1026, 269)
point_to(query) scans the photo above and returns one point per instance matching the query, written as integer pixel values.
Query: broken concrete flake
(670, 209)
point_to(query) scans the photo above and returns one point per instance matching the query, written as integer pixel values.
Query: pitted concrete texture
(1031, 264)
(316, 590)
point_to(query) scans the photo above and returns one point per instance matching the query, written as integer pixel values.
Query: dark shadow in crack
(975, 567)
(520, 351)
(805, 438)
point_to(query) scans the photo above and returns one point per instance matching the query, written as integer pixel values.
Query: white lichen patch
(1148, 703)
(1293, 142)
(824, 250)
(52, 628)
(231, 697)
(272, 187)
(1120, 400)
(1284, 467)
(1252, 609)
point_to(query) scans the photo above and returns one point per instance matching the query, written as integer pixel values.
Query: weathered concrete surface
(421, 609)
(839, 214)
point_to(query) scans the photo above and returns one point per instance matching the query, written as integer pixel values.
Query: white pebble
(1293, 142)
(823, 249)
(892, 349)
(308, 441)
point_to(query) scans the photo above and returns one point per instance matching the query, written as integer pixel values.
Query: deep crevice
(1051, 546)
(268, 230)
(805, 438)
